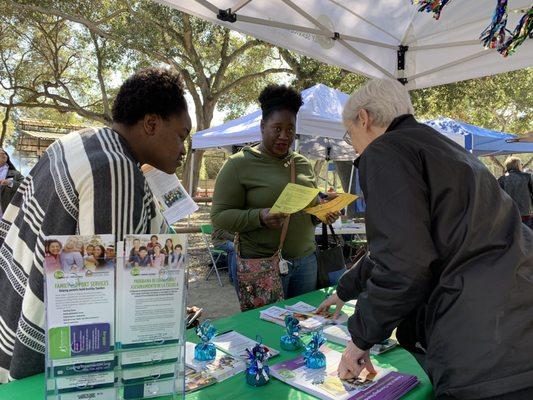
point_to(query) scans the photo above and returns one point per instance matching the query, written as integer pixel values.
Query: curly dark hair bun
(149, 91)
(279, 97)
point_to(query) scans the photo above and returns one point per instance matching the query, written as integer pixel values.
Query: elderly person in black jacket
(450, 263)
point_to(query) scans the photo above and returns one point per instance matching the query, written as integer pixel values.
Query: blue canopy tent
(481, 141)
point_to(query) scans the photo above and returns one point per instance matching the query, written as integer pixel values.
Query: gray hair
(383, 99)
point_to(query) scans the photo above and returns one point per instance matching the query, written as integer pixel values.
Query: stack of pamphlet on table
(305, 313)
(339, 334)
(222, 367)
(324, 383)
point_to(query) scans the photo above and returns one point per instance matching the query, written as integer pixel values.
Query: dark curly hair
(149, 91)
(279, 97)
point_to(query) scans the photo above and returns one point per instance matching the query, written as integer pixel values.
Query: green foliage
(213, 163)
(500, 102)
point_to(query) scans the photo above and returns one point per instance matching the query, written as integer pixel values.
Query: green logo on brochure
(59, 275)
(135, 271)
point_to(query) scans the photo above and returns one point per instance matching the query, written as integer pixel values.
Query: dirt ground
(216, 301)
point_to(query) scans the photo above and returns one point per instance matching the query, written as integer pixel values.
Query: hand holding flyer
(294, 198)
(337, 204)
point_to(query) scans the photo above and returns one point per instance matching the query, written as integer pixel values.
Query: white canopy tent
(375, 38)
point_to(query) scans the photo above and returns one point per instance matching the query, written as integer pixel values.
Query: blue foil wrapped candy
(314, 358)
(257, 372)
(205, 350)
(291, 341)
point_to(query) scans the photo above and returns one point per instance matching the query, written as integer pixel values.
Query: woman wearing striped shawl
(87, 183)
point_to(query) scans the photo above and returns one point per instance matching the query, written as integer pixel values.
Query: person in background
(249, 184)
(223, 240)
(86, 183)
(519, 185)
(52, 258)
(158, 258)
(154, 240)
(10, 180)
(450, 264)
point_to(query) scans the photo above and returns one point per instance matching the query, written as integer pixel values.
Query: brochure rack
(115, 330)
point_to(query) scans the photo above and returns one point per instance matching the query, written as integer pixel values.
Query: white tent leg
(297, 144)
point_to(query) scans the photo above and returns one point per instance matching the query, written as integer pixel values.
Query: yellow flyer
(337, 204)
(293, 199)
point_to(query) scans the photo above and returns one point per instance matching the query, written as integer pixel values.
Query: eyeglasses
(347, 138)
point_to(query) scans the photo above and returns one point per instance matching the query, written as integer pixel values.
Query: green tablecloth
(249, 324)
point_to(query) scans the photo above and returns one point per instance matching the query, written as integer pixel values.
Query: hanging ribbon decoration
(520, 34)
(434, 6)
(494, 35)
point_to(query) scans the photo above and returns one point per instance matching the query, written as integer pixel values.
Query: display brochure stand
(115, 317)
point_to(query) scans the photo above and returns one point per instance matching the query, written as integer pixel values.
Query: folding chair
(215, 254)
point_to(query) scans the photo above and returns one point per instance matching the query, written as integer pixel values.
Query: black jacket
(519, 185)
(6, 192)
(447, 246)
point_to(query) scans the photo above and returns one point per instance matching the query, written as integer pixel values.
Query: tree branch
(249, 77)
(99, 72)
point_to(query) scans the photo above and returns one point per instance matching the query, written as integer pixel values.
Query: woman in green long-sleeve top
(250, 183)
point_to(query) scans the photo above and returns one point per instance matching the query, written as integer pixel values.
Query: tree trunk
(202, 122)
(4, 125)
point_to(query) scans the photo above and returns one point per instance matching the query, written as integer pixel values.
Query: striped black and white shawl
(86, 183)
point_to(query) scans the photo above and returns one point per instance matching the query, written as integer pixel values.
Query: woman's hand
(271, 221)
(353, 361)
(332, 300)
(332, 217)
(4, 182)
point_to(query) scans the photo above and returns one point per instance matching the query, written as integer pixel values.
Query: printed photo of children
(173, 196)
(145, 251)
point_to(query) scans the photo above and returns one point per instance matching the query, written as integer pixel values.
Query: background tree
(213, 61)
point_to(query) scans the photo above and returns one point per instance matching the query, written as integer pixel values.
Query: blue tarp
(481, 141)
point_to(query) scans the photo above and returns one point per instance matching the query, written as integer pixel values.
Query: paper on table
(294, 198)
(173, 199)
(337, 204)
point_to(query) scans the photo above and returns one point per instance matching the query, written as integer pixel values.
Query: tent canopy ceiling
(372, 37)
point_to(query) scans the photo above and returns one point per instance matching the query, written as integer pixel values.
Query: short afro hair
(279, 97)
(149, 91)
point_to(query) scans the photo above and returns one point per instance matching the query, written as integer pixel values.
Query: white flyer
(151, 290)
(173, 199)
